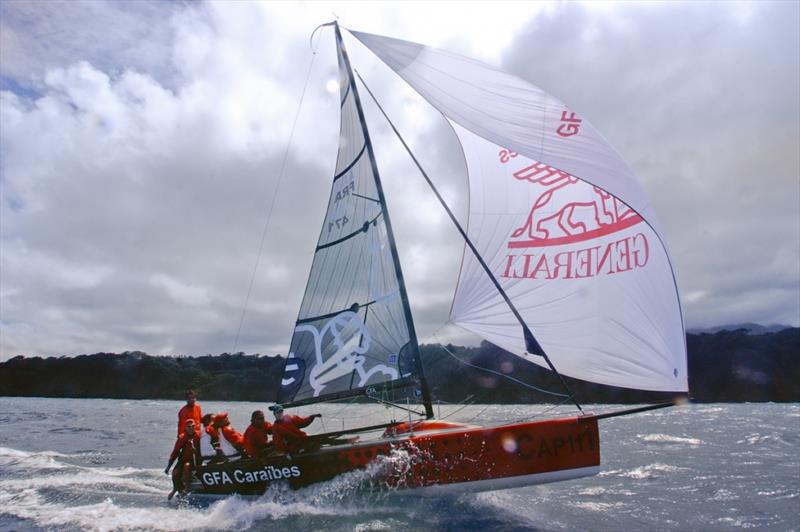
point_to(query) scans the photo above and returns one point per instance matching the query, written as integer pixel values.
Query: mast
(354, 335)
(426, 398)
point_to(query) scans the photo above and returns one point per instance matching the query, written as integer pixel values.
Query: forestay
(353, 331)
(562, 222)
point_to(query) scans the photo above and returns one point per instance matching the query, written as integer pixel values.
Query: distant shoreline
(584, 403)
(724, 367)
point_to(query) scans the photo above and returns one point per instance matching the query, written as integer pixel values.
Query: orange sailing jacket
(234, 438)
(187, 447)
(256, 438)
(287, 434)
(230, 435)
(189, 412)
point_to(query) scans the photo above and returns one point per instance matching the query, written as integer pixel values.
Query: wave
(779, 494)
(599, 491)
(92, 456)
(598, 506)
(106, 499)
(667, 439)
(29, 463)
(45, 490)
(724, 495)
(645, 472)
(31, 460)
(232, 512)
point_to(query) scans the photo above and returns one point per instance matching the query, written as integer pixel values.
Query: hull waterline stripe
(501, 483)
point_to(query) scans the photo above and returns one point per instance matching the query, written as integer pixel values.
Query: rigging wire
(466, 402)
(499, 374)
(335, 415)
(535, 415)
(275, 194)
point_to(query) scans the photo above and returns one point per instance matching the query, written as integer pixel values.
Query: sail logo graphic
(558, 217)
(568, 211)
(570, 124)
(347, 337)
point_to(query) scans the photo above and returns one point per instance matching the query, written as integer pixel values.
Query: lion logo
(563, 213)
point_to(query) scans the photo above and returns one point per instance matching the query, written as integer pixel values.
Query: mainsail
(561, 221)
(354, 334)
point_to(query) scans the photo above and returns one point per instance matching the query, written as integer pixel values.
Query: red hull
(487, 457)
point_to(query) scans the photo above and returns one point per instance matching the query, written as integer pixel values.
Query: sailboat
(564, 266)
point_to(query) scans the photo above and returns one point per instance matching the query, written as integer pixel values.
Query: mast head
(311, 39)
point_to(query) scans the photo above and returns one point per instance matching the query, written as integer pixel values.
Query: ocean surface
(95, 464)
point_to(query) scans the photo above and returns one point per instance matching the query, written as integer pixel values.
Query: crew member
(187, 452)
(287, 436)
(256, 439)
(209, 444)
(230, 441)
(191, 410)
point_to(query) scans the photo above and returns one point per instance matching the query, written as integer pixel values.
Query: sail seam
(398, 384)
(332, 314)
(364, 228)
(350, 166)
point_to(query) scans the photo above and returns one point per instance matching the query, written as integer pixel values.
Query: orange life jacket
(287, 434)
(234, 438)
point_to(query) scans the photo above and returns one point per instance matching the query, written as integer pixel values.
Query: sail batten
(350, 166)
(394, 386)
(364, 228)
(355, 306)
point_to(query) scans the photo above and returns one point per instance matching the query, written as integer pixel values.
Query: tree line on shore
(726, 366)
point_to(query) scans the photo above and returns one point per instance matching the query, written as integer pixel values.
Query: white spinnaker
(511, 113)
(589, 276)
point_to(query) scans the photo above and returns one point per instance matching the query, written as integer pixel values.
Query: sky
(158, 179)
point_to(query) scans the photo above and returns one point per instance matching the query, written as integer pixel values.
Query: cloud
(116, 36)
(702, 102)
(142, 147)
(181, 292)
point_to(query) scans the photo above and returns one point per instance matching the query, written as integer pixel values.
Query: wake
(46, 490)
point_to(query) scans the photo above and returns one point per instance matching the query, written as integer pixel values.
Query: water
(98, 465)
